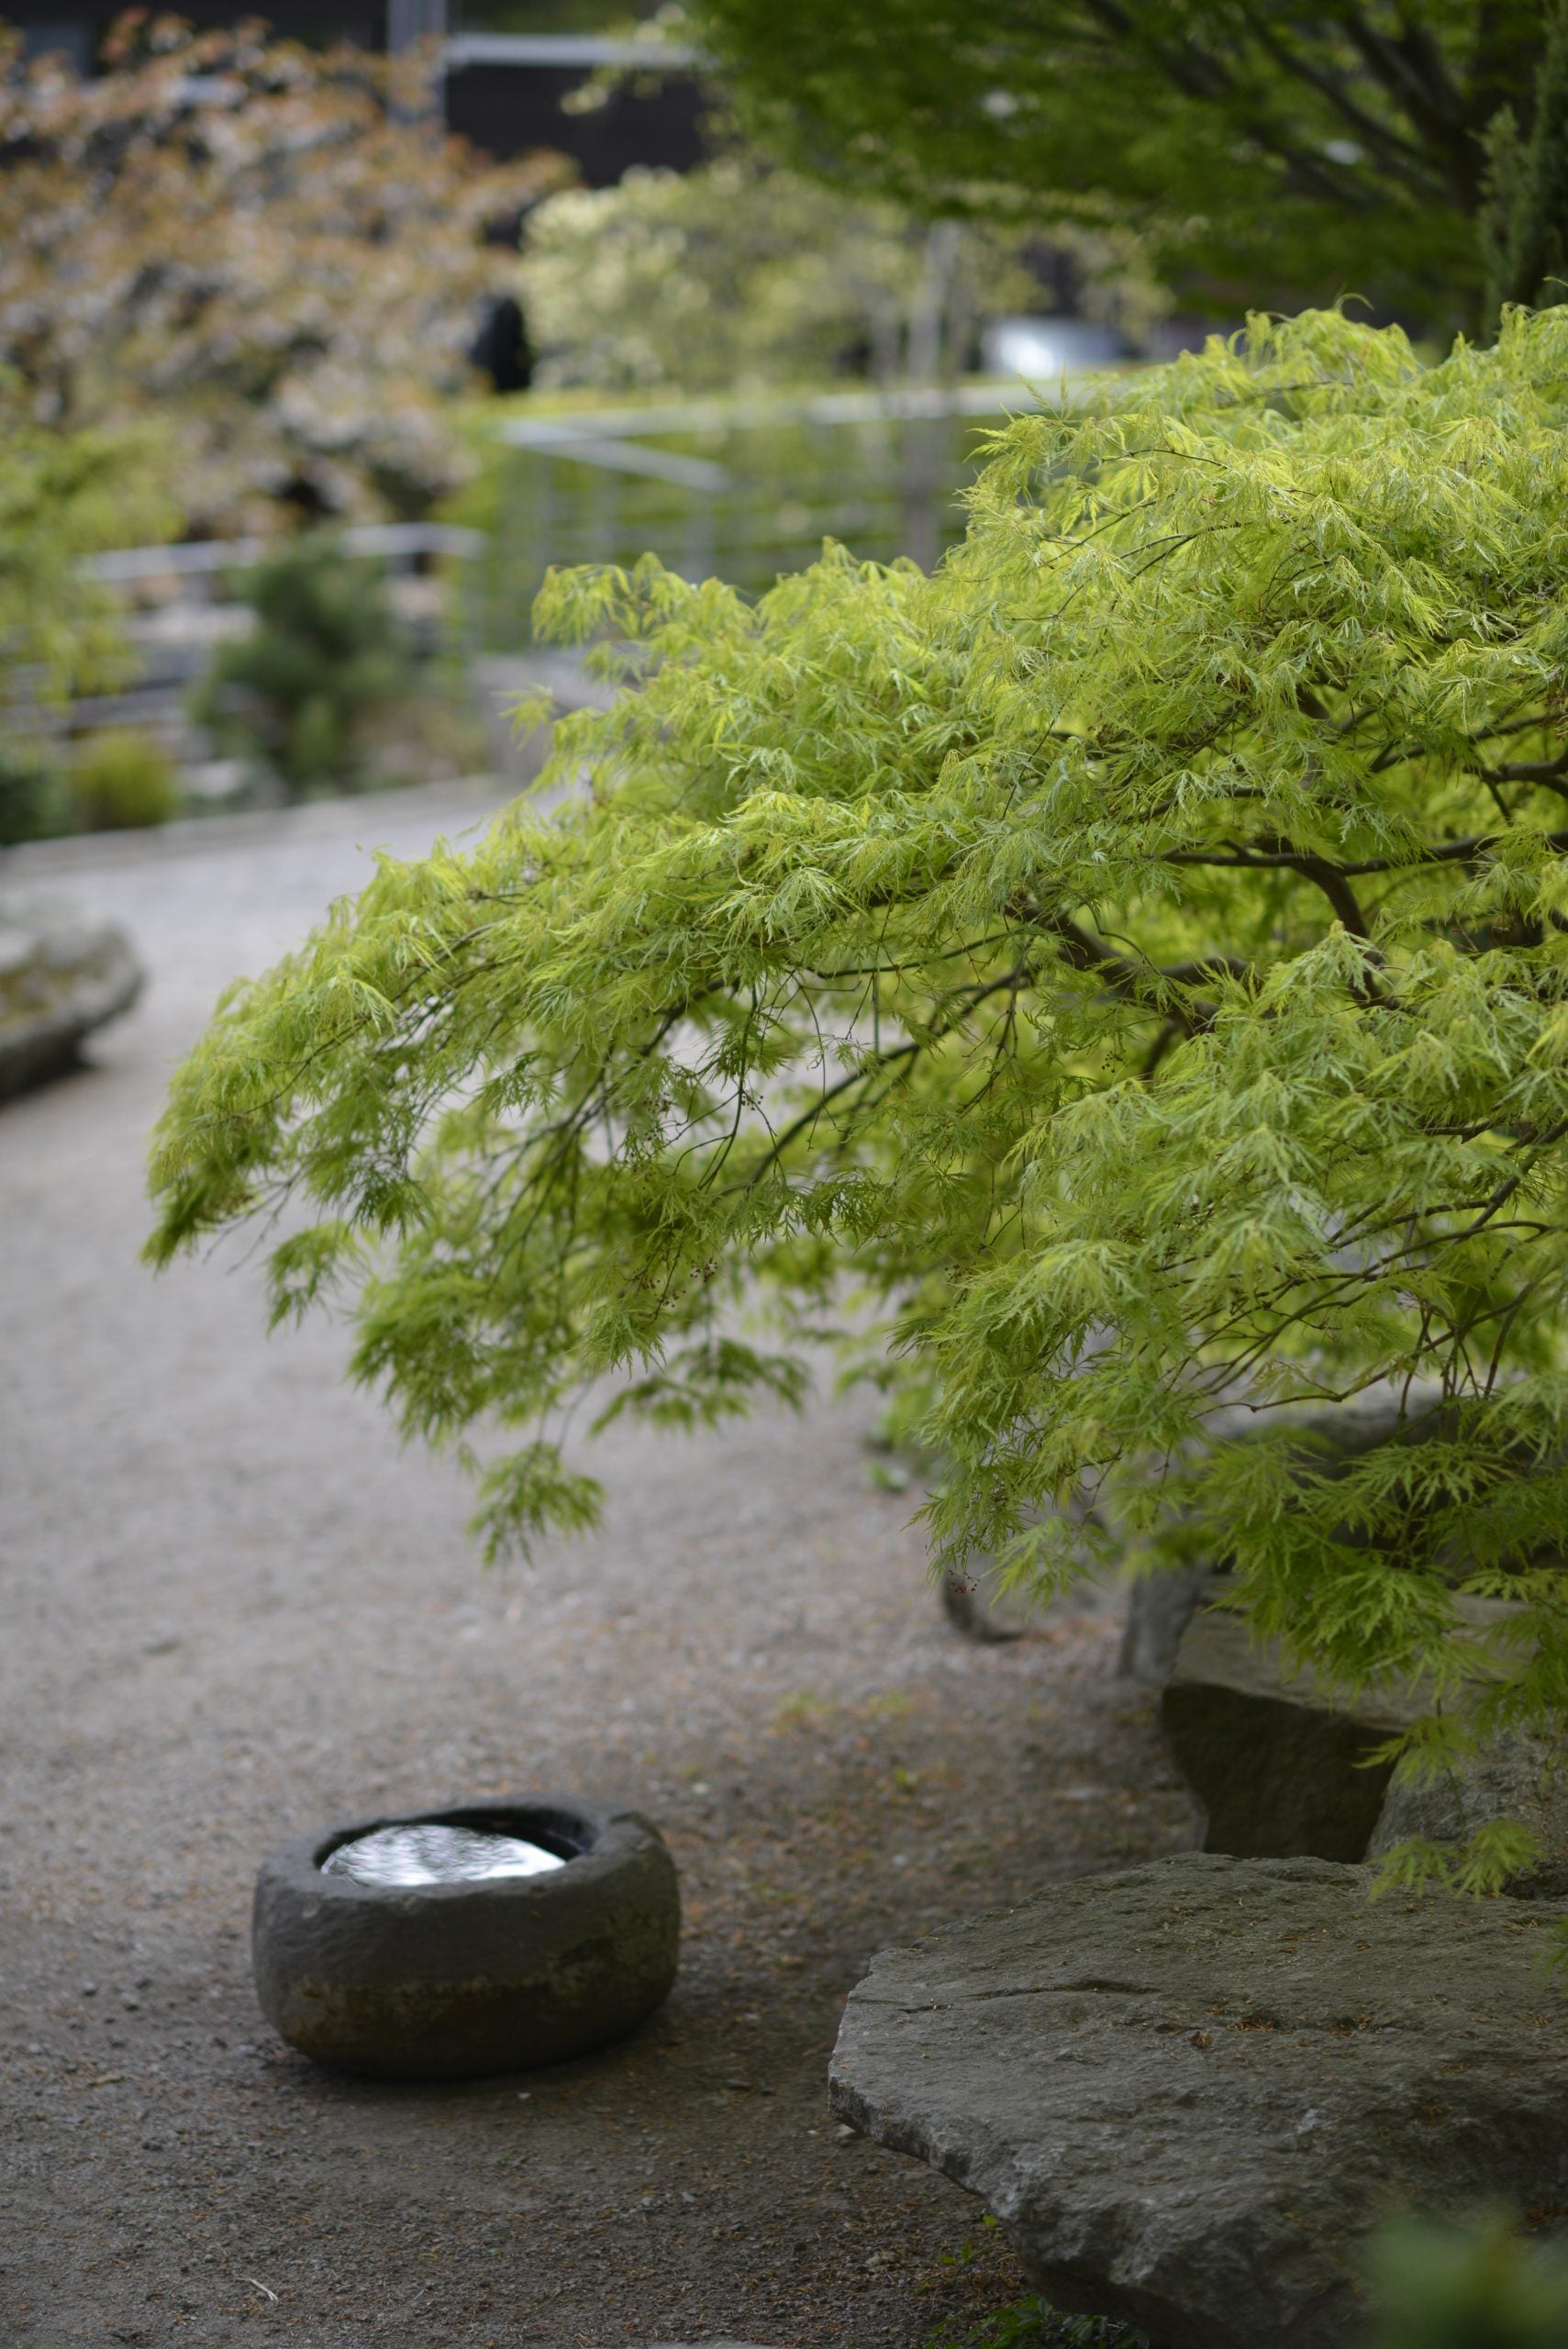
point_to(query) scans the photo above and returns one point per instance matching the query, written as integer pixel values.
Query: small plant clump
(1483, 2287)
(1134, 957)
(1031, 2325)
(122, 780)
(35, 799)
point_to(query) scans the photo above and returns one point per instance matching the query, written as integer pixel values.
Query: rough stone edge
(1159, 1607)
(106, 985)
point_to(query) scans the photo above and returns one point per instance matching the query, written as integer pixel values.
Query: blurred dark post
(931, 364)
(409, 22)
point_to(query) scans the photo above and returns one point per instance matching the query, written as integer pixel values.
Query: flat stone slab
(1191, 2089)
(60, 976)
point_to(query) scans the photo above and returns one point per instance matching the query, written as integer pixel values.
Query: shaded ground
(233, 1608)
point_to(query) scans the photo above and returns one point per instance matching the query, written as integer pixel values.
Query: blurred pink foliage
(276, 252)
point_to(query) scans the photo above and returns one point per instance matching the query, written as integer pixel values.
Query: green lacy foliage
(1283, 154)
(1443, 2288)
(1137, 956)
(328, 652)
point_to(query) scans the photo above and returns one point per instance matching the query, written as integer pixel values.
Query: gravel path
(234, 1608)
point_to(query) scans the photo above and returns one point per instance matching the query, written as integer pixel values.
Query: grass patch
(1031, 2325)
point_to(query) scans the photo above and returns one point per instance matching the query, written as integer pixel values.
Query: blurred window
(1039, 349)
(544, 15)
(75, 36)
(408, 21)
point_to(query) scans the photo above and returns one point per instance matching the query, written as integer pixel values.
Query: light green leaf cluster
(1136, 956)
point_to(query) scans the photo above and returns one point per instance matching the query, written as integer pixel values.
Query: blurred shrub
(63, 496)
(1449, 2288)
(1438, 2288)
(329, 654)
(121, 780)
(35, 801)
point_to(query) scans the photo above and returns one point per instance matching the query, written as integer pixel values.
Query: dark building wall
(49, 24)
(505, 109)
(508, 109)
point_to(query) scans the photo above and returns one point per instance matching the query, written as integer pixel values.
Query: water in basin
(424, 1853)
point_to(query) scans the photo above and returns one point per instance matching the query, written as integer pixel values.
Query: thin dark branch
(1549, 771)
(1461, 851)
(1140, 981)
(1403, 156)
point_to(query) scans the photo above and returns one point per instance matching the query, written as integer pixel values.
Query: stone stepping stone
(60, 976)
(1191, 2089)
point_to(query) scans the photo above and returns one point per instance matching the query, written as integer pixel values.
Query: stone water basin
(489, 1938)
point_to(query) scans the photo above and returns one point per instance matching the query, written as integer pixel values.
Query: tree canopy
(1133, 959)
(276, 248)
(1278, 154)
(735, 274)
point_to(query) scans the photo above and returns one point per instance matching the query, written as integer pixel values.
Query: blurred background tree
(1524, 221)
(277, 251)
(63, 496)
(1277, 156)
(737, 274)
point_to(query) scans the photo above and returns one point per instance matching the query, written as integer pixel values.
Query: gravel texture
(234, 1609)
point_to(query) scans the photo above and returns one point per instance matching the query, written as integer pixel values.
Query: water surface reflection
(429, 1853)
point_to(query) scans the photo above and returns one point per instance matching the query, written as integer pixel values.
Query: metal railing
(565, 51)
(214, 558)
(742, 489)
